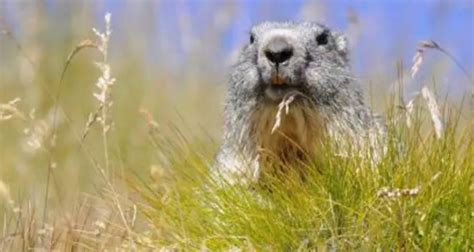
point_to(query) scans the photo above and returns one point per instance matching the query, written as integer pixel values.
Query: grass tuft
(415, 199)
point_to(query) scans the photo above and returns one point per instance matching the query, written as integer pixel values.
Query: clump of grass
(416, 198)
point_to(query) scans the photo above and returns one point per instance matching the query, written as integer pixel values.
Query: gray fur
(332, 103)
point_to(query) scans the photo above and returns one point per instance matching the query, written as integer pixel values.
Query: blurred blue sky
(388, 30)
(448, 22)
(391, 28)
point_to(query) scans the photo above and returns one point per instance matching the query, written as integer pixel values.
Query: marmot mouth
(277, 92)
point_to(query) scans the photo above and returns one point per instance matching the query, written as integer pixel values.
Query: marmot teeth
(277, 79)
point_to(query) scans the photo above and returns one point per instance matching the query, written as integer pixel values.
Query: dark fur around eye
(322, 38)
(252, 39)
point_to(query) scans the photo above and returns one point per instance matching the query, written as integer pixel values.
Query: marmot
(302, 68)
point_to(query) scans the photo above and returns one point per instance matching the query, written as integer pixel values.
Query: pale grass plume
(10, 110)
(434, 111)
(40, 134)
(104, 36)
(36, 136)
(105, 81)
(284, 105)
(410, 109)
(40, 131)
(432, 106)
(425, 92)
(420, 51)
(423, 46)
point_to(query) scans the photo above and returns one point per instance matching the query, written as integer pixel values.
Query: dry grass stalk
(87, 43)
(90, 120)
(9, 34)
(284, 104)
(83, 44)
(101, 115)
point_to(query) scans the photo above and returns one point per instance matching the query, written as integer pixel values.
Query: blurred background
(170, 60)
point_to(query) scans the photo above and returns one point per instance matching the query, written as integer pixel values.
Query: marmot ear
(342, 45)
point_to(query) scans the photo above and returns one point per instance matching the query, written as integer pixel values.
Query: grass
(342, 205)
(134, 178)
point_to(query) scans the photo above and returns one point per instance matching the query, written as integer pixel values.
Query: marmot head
(283, 57)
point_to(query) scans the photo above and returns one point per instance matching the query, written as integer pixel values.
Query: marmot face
(288, 57)
(304, 64)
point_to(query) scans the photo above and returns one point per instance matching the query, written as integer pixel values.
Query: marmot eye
(322, 38)
(252, 38)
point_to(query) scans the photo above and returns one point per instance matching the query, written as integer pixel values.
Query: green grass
(339, 206)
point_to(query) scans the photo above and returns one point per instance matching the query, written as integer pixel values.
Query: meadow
(107, 135)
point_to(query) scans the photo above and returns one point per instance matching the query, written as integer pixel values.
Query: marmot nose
(278, 50)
